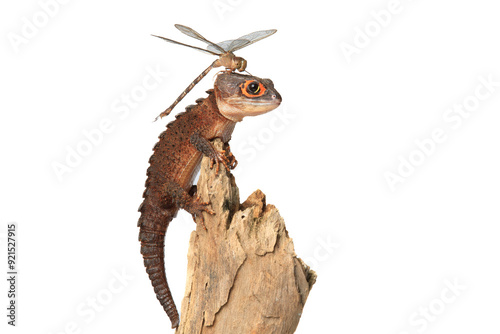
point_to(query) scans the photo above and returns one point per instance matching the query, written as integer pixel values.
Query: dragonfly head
(241, 95)
(231, 62)
(240, 64)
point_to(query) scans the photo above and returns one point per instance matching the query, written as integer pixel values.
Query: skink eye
(253, 87)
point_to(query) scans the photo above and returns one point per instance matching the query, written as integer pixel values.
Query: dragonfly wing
(236, 44)
(239, 43)
(224, 45)
(192, 33)
(189, 46)
(249, 39)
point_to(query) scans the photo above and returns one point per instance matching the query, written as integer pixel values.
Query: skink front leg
(216, 156)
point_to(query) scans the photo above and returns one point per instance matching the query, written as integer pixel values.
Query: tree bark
(243, 274)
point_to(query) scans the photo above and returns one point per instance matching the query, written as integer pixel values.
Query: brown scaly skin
(176, 160)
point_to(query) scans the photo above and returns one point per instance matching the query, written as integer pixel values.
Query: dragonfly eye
(242, 65)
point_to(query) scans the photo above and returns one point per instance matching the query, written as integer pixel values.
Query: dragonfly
(224, 50)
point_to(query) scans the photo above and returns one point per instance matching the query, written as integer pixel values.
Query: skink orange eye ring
(252, 88)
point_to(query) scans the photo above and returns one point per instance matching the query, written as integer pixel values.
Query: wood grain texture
(243, 274)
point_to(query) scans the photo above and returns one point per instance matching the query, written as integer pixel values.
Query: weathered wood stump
(243, 274)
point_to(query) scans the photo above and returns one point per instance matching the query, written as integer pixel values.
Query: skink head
(241, 95)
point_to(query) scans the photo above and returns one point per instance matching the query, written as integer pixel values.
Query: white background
(383, 256)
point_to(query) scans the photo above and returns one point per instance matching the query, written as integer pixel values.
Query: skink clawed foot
(225, 157)
(217, 158)
(232, 159)
(196, 208)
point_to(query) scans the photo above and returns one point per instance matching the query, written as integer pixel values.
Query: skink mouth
(236, 108)
(255, 103)
(274, 100)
